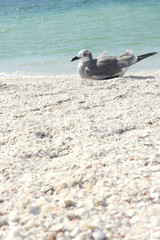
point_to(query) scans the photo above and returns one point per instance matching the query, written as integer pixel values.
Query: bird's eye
(85, 54)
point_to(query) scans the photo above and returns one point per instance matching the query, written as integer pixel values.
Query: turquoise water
(41, 36)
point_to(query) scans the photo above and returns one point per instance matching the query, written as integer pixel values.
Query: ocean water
(40, 37)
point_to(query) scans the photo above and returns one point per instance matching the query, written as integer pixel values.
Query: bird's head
(83, 56)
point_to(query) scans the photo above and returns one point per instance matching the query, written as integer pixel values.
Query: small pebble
(46, 209)
(68, 203)
(15, 238)
(3, 222)
(83, 236)
(15, 232)
(51, 236)
(72, 215)
(59, 227)
(13, 217)
(33, 210)
(134, 219)
(75, 232)
(99, 235)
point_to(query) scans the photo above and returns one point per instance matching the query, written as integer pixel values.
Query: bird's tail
(141, 57)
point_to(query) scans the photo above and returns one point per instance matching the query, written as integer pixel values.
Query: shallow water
(41, 37)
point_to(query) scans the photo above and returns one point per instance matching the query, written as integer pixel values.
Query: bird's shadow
(129, 76)
(140, 77)
(132, 77)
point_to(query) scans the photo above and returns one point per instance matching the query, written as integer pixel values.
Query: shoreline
(151, 64)
(32, 77)
(80, 158)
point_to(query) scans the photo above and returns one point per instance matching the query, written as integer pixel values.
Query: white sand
(80, 159)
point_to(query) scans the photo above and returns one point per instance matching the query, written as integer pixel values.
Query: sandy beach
(80, 159)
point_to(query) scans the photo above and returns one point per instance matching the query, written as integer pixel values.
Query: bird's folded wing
(103, 66)
(102, 55)
(105, 60)
(127, 59)
(107, 65)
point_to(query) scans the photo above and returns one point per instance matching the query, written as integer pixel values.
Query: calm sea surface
(41, 36)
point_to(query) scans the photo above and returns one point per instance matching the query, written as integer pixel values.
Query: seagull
(106, 67)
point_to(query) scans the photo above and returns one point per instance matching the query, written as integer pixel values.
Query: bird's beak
(75, 58)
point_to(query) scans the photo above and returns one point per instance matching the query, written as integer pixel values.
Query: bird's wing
(103, 67)
(127, 59)
(105, 61)
(108, 64)
(102, 55)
